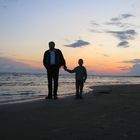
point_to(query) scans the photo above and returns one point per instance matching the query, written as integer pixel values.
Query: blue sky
(105, 33)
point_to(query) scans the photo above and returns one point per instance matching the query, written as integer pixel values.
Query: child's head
(80, 62)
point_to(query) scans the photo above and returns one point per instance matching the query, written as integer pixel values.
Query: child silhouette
(80, 78)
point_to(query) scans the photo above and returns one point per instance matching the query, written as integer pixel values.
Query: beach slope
(106, 113)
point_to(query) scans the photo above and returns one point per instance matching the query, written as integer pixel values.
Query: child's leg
(77, 88)
(81, 88)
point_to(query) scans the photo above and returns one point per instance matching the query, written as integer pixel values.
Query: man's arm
(63, 62)
(44, 60)
(85, 77)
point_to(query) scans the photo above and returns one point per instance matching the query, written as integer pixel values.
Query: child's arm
(70, 71)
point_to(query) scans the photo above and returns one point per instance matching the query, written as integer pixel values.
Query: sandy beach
(106, 113)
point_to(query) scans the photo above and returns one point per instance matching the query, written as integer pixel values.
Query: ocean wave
(21, 87)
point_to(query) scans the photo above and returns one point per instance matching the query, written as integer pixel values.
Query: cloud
(105, 55)
(121, 17)
(124, 35)
(122, 25)
(133, 61)
(128, 25)
(125, 68)
(124, 16)
(96, 31)
(96, 26)
(11, 65)
(94, 23)
(78, 43)
(124, 44)
(117, 21)
(135, 70)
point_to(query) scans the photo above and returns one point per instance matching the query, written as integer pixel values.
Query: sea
(23, 87)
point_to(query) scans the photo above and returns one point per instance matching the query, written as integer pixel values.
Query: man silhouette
(53, 59)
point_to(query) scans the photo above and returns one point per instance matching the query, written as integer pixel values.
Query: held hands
(65, 68)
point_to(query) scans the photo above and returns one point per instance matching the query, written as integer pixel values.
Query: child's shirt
(80, 73)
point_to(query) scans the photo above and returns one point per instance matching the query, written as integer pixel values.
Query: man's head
(80, 62)
(51, 45)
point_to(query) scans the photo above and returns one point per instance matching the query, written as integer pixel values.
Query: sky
(104, 33)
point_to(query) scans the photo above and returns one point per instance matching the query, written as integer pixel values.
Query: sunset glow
(105, 34)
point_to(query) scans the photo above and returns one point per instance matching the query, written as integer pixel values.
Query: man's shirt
(52, 58)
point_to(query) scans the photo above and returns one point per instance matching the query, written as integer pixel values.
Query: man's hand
(65, 68)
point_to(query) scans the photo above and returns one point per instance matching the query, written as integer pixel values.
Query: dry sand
(106, 113)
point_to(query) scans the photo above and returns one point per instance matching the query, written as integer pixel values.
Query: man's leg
(49, 75)
(55, 78)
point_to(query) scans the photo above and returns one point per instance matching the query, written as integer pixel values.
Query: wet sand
(106, 113)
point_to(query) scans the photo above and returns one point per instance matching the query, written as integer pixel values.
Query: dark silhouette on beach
(80, 78)
(53, 60)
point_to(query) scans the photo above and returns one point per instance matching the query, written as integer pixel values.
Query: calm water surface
(17, 87)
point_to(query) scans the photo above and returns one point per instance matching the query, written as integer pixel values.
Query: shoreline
(99, 89)
(107, 112)
(67, 95)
